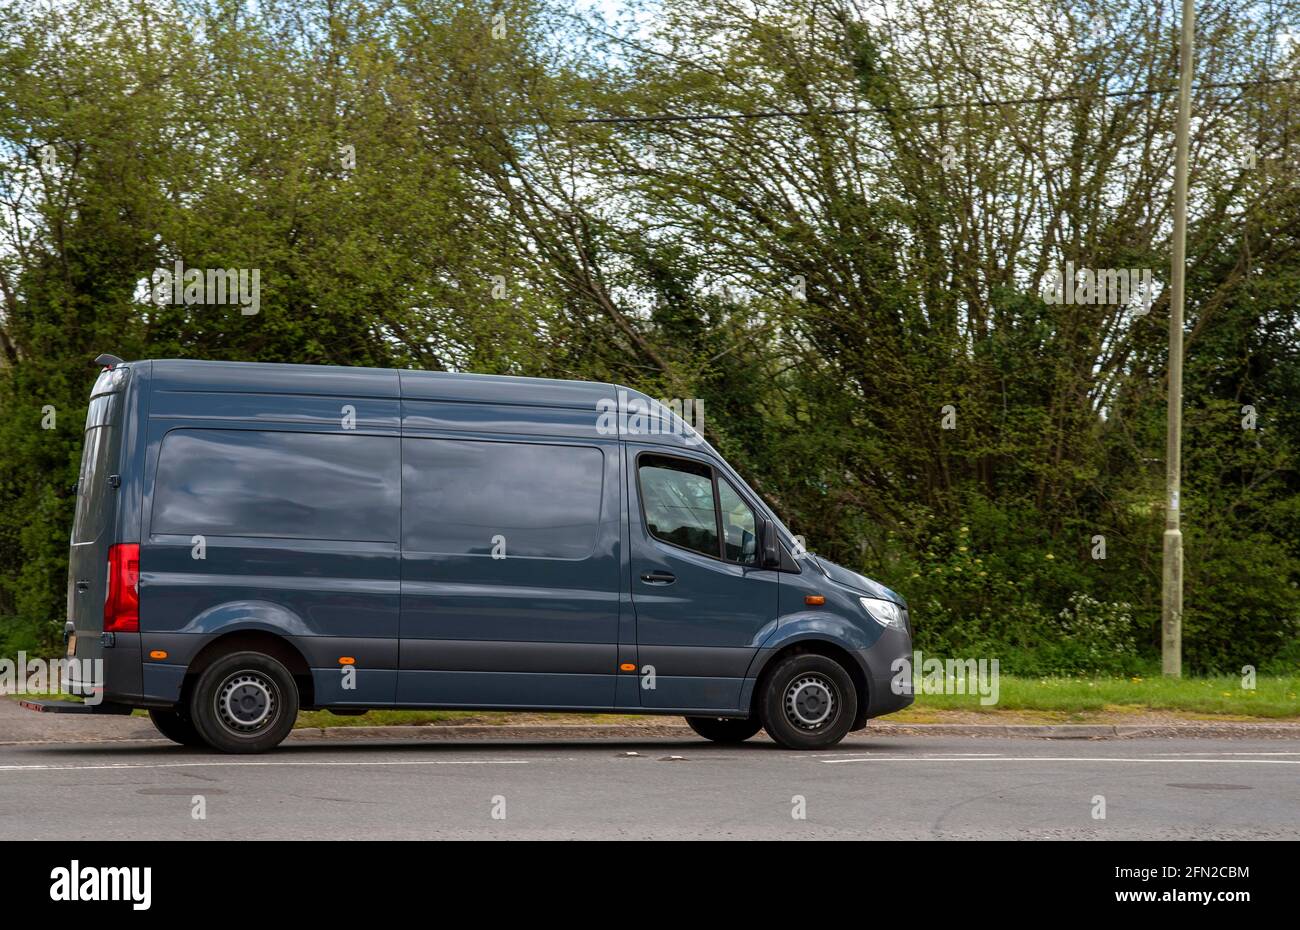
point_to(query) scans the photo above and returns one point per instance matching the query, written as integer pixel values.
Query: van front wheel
(725, 729)
(244, 702)
(808, 702)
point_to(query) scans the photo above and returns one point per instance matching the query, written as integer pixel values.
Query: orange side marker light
(347, 660)
(627, 667)
(814, 600)
(157, 654)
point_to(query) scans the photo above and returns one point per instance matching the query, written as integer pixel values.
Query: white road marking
(1217, 753)
(183, 765)
(855, 756)
(1141, 761)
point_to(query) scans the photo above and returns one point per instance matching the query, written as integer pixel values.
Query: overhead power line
(860, 111)
(910, 108)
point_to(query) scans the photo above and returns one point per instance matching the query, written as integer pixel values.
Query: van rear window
(101, 409)
(92, 483)
(465, 497)
(277, 484)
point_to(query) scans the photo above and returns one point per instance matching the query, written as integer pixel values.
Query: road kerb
(1209, 730)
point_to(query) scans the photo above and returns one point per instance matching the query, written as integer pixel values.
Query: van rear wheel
(725, 729)
(176, 727)
(808, 702)
(244, 702)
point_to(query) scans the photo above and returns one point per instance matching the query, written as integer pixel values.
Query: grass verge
(1272, 698)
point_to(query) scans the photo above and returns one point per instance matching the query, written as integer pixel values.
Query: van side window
(679, 505)
(292, 485)
(501, 499)
(739, 528)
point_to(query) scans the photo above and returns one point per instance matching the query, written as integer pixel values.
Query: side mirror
(770, 546)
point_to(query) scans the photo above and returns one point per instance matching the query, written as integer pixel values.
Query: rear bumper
(117, 679)
(72, 707)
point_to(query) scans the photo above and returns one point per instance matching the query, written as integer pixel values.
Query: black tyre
(176, 727)
(725, 729)
(244, 702)
(808, 702)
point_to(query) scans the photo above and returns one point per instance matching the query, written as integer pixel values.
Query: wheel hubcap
(246, 702)
(810, 701)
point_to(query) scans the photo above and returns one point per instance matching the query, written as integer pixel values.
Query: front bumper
(889, 681)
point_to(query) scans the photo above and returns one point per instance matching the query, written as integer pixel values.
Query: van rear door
(95, 519)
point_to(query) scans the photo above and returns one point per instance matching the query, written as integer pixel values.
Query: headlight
(886, 613)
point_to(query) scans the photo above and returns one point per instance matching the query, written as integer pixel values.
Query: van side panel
(511, 558)
(498, 389)
(206, 377)
(273, 512)
(507, 419)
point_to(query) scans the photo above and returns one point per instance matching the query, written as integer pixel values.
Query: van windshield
(92, 482)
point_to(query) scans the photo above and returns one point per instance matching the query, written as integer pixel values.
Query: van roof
(277, 378)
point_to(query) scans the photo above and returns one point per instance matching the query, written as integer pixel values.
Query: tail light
(122, 604)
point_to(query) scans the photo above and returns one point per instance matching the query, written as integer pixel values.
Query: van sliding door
(510, 578)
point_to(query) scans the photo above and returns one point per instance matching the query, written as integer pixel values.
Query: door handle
(83, 586)
(658, 577)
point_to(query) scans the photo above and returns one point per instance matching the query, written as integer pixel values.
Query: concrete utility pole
(1171, 601)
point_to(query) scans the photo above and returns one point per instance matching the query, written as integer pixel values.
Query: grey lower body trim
(697, 661)
(457, 655)
(522, 690)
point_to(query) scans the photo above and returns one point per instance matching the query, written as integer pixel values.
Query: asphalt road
(883, 788)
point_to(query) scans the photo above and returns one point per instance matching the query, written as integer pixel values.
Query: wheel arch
(253, 640)
(828, 648)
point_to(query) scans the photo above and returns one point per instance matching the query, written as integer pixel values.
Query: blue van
(252, 540)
